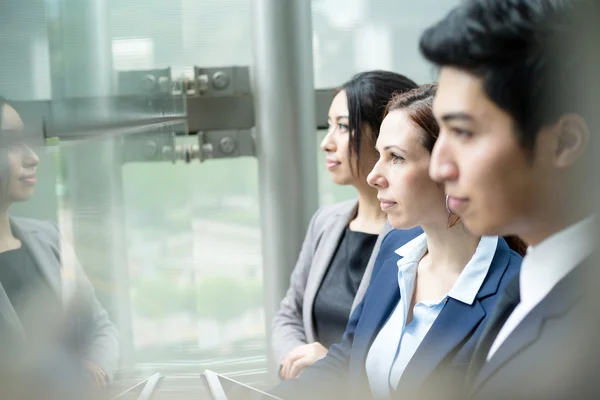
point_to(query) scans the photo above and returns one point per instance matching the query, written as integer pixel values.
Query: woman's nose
(327, 144)
(31, 158)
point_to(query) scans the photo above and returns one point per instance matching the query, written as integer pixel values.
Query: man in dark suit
(517, 106)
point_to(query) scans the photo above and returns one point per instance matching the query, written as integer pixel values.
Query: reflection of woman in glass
(342, 241)
(45, 298)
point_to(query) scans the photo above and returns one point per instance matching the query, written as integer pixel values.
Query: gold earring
(450, 215)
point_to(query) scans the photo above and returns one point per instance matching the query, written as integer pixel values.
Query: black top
(331, 310)
(29, 292)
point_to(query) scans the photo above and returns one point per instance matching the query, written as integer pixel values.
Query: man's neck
(547, 227)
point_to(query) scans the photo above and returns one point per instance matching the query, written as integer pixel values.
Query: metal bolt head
(202, 83)
(227, 145)
(148, 83)
(168, 153)
(164, 84)
(149, 149)
(207, 150)
(220, 80)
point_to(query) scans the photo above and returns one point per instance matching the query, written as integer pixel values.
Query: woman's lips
(386, 204)
(331, 164)
(457, 204)
(31, 179)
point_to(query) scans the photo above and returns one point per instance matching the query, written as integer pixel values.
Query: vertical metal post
(81, 44)
(80, 33)
(283, 86)
(95, 186)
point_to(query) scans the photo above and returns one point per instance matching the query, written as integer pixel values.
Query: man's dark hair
(368, 94)
(538, 59)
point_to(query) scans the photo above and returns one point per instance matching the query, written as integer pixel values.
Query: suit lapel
(456, 321)
(42, 255)
(559, 301)
(401, 238)
(330, 239)
(453, 325)
(44, 259)
(504, 307)
(375, 315)
(8, 312)
(364, 283)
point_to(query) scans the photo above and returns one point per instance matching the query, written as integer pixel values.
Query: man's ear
(572, 135)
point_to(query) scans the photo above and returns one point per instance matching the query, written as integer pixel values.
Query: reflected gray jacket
(293, 324)
(88, 328)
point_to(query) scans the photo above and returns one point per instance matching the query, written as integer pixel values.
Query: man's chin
(481, 227)
(476, 225)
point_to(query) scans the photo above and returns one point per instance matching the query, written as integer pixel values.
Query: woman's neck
(450, 248)
(369, 218)
(5, 231)
(7, 240)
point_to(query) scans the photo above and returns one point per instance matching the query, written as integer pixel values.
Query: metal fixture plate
(151, 109)
(226, 144)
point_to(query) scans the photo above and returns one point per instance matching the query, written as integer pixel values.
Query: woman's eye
(462, 133)
(396, 159)
(343, 127)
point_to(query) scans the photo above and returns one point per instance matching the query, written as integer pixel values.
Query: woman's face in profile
(401, 176)
(341, 164)
(18, 175)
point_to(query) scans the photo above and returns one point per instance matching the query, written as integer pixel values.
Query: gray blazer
(87, 322)
(293, 324)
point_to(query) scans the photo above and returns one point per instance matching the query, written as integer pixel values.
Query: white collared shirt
(544, 266)
(397, 342)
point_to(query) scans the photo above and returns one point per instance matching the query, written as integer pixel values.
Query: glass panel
(356, 35)
(349, 35)
(150, 236)
(181, 33)
(25, 62)
(196, 271)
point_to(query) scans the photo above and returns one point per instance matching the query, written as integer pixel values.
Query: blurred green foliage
(163, 194)
(217, 297)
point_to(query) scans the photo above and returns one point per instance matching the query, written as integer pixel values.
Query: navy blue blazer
(439, 366)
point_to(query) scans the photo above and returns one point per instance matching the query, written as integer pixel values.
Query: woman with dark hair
(429, 299)
(342, 241)
(47, 304)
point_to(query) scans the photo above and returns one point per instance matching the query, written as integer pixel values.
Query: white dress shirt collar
(469, 282)
(543, 267)
(550, 261)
